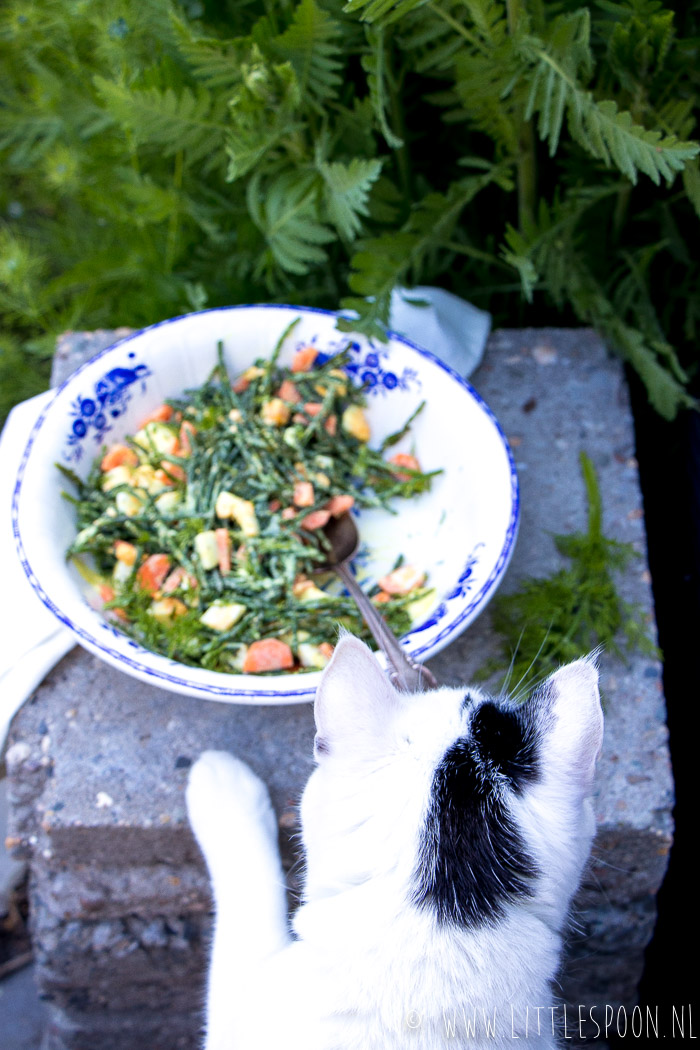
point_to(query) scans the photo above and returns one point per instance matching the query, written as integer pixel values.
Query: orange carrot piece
(288, 513)
(274, 505)
(330, 425)
(152, 572)
(119, 456)
(403, 459)
(381, 598)
(338, 505)
(316, 519)
(187, 430)
(288, 392)
(303, 494)
(268, 654)
(169, 473)
(326, 649)
(312, 408)
(223, 546)
(161, 414)
(304, 358)
(176, 578)
(402, 580)
(107, 595)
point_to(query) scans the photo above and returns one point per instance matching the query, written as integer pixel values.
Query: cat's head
(472, 805)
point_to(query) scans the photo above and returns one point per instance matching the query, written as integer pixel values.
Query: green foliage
(540, 159)
(552, 620)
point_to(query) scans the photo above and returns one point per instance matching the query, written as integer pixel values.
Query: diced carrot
(316, 519)
(187, 430)
(288, 513)
(303, 494)
(298, 418)
(153, 572)
(161, 414)
(330, 425)
(304, 358)
(169, 473)
(268, 654)
(288, 392)
(403, 580)
(119, 456)
(274, 505)
(312, 408)
(381, 598)
(107, 595)
(301, 584)
(176, 579)
(223, 546)
(338, 505)
(403, 459)
(327, 649)
(125, 551)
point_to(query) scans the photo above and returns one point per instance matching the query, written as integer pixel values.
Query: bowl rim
(277, 692)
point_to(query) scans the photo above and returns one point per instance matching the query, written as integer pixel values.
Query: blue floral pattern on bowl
(111, 394)
(368, 367)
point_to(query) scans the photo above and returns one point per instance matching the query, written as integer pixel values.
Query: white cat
(445, 834)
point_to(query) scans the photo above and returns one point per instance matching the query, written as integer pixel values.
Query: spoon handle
(406, 674)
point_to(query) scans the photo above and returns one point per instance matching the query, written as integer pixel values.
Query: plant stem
(525, 163)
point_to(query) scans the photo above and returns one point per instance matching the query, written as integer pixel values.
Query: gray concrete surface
(98, 761)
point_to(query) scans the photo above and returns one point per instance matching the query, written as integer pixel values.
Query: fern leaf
(374, 65)
(191, 121)
(380, 263)
(384, 11)
(518, 255)
(310, 45)
(215, 62)
(346, 192)
(665, 392)
(599, 127)
(285, 210)
(691, 183)
(631, 147)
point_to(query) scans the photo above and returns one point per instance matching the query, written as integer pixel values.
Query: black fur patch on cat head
(472, 859)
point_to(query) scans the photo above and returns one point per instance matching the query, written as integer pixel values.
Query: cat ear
(572, 721)
(355, 703)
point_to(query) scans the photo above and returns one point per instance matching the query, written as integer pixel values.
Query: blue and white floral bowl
(462, 532)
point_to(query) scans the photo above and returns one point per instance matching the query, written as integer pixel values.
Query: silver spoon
(406, 674)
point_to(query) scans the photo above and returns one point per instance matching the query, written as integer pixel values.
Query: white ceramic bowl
(462, 532)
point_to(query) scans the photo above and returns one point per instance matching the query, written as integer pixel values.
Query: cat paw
(224, 798)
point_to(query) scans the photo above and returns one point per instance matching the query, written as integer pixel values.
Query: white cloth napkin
(33, 640)
(453, 329)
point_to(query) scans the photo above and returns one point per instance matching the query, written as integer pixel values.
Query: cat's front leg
(234, 823)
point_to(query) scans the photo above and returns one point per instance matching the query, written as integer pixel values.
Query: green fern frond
(193, 121)
(691, 183)
(609, 134)
(285, 209)
(346, 190)
(384, 11)
(393, 258)
(374, 63)
(264, 112)
(310, 44)
(213, 61)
